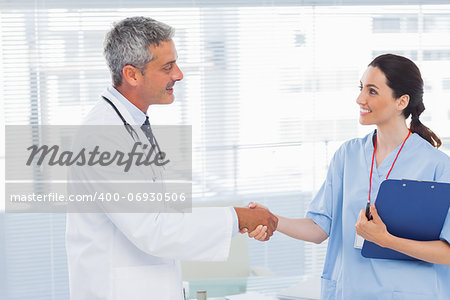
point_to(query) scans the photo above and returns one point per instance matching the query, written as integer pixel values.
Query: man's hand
(250, 218)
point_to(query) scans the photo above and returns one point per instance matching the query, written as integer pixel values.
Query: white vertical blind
(269, 91)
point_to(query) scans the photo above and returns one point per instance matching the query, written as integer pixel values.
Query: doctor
(391, 91)
(116, 256)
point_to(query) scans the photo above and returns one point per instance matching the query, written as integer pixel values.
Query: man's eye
(168, 68)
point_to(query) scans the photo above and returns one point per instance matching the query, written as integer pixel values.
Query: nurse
(391, 91)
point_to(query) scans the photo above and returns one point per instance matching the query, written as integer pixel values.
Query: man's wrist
(235, 221)
(239, 211)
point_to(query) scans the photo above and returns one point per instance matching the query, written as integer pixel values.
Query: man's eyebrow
(170, 62)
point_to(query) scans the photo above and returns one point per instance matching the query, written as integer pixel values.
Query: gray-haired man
(136, 255)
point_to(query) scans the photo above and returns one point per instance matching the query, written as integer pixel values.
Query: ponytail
(417, 127)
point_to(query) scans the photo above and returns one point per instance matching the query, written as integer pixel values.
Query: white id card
(359, 241)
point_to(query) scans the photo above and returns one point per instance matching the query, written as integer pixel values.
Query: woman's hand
(375, 230)
(256, 204)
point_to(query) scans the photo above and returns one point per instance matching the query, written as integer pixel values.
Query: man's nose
(177, 74)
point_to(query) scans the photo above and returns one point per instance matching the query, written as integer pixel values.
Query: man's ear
(403, 102)
(131, 75)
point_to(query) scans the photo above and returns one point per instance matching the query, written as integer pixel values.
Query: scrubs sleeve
(443, 168)
(445, 233)
(322, 208)
(443, 175)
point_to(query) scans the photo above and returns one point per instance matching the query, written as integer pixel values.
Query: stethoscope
(130, 128)
(136, 138)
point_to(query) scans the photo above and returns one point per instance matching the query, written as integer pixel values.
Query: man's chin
(168, 99)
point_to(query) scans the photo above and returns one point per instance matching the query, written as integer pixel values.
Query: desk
(268, 286)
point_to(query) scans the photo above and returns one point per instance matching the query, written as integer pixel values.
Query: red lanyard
(373, 158)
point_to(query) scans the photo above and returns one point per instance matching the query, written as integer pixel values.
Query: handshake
(257, 220)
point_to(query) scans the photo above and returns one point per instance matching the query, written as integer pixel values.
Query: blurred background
(269, 88)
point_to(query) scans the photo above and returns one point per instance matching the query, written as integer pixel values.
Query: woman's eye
(372, 91)
(360, 87)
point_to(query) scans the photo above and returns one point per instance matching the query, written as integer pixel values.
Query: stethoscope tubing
(128, 127)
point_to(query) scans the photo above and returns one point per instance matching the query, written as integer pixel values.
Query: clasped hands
(257, 220)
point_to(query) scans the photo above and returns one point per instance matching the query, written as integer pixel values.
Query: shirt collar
(137, 115)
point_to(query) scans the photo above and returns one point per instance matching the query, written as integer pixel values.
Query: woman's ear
(403, 102)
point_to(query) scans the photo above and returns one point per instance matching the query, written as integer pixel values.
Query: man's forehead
(165, 49)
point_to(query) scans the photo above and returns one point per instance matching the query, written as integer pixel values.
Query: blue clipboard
(410, 209)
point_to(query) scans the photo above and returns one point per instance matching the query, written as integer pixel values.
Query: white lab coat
(117, 256)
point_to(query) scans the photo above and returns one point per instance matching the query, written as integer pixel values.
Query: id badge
(359, 241)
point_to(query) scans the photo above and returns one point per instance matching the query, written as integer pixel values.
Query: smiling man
(136, 255)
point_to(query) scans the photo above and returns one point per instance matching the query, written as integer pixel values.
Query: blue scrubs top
(349, 275)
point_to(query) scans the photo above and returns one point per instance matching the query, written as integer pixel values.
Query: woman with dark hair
(391, 91)
(404, 79)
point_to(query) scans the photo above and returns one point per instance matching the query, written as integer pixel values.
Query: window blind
(269, 89)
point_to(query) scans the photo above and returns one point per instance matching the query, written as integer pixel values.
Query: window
(436, 54)
(446, 84)
(395, 24)
(386, 24)
(269, 91)
(436, 22)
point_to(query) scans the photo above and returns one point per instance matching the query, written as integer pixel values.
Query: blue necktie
(148, 131)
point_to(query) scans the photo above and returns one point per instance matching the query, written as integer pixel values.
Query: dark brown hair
(403, 77)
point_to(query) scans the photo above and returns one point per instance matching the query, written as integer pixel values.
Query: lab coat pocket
(413, 296)
(142, 282)
(328, 289)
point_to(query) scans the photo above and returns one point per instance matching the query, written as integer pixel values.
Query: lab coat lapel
(158, 172)
(122, 109)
